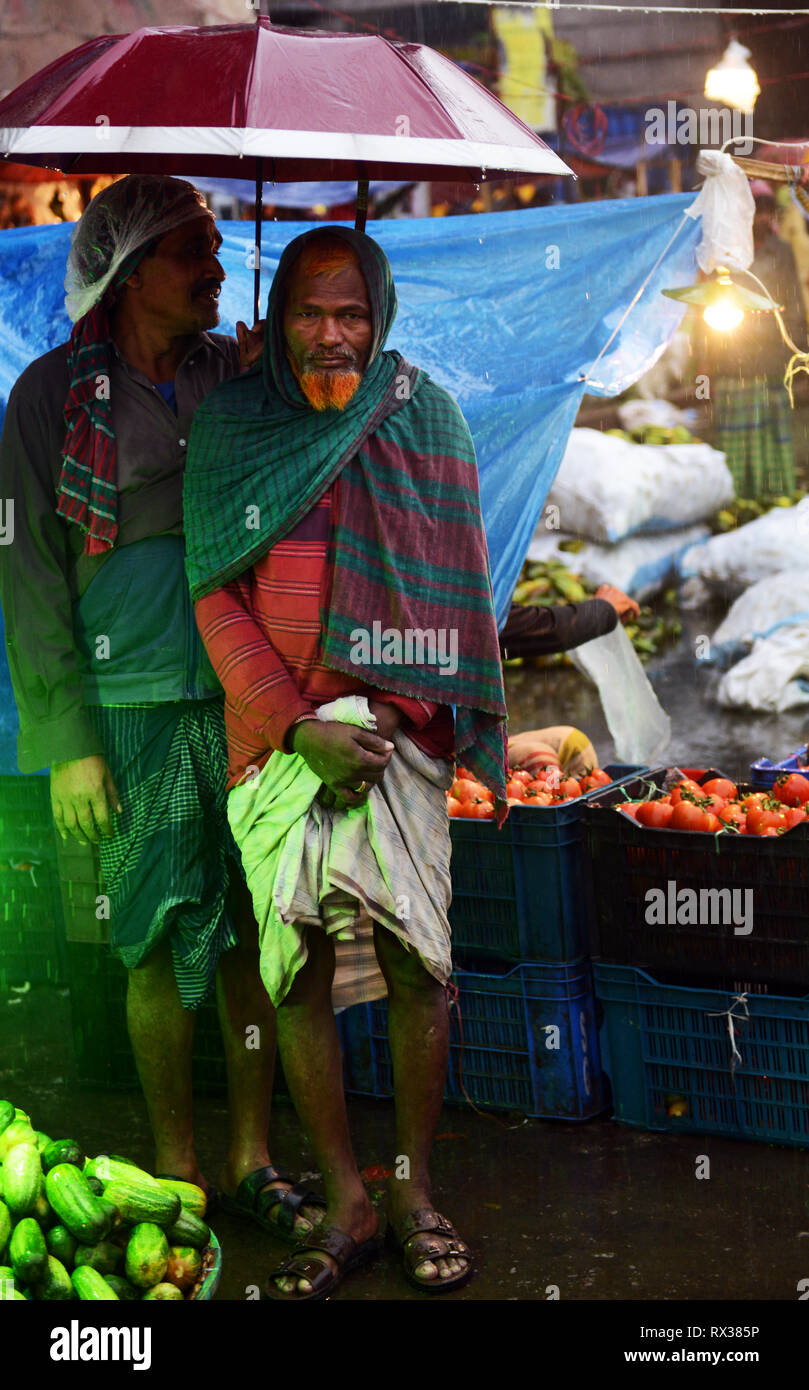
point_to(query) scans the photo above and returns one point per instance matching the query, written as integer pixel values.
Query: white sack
(774, 677)
(779, 599)
(608, 488)
(641, 566)
(768, 545)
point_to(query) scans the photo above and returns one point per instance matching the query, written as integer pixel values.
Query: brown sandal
(309, 1264)
(427, 1235)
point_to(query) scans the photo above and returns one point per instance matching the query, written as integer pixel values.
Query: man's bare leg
(418, 1031)
(243, 1003)
(310, 1049)
(162, 1035)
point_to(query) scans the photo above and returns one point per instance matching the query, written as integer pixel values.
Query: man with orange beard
(331, 500)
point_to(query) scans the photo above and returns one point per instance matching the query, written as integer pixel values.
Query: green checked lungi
(167, 868)
(753, 429)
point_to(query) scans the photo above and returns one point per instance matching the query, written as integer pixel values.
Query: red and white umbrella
(281, 104)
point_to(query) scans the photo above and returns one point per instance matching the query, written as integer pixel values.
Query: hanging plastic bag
(640, 728)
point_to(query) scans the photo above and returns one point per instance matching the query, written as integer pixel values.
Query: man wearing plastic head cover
(339, 568)
(114, 690)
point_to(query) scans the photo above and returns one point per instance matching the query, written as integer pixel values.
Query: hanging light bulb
(722, 301)
(733, 81)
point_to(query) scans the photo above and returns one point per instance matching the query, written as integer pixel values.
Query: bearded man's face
(327, 325)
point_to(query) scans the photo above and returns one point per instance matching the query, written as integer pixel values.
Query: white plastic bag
(774, 677)
(726, 207)
(734, 561)
(640, 728)
(608, 488)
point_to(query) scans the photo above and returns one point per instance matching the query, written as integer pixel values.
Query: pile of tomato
(719, 805)
(469, 799)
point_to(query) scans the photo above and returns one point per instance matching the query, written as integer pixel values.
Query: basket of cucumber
(99, 1229)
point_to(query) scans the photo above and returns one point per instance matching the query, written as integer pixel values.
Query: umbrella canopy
(311, 105)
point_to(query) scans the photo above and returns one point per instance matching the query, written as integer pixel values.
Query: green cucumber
(147, 1255)
(18, 1132)
(22, 1178)
(104, 1256)
(55, 1287)
(125, 1291)
(109, 1168)
(43, 1140)
(189, 1230)
(27, 1251)
(192, 1197)
(62, 1151)
(75, 1205)
(6, 1114)
(62, 1244)
(139, 1202)
(92, 1287)
(5, 1226)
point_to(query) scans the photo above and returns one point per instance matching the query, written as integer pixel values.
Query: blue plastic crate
(503, 1048)
(519, 893)
(662, 1044)
(763, 773)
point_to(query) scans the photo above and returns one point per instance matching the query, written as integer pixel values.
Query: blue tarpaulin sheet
(509, 311)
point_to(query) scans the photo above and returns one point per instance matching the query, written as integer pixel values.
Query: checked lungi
(169, 864)
(753, 429)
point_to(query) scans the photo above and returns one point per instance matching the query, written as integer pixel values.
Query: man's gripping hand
(342, 756)
(83, 799)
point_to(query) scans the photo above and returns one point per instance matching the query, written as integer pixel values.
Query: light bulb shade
(733, 81)
(722, 291)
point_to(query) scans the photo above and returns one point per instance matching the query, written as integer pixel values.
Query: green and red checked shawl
(408, 548)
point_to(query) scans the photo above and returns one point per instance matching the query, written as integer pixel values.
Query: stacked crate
(523, 1024)
(706, 1020)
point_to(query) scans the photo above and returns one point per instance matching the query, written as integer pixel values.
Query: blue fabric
(507, 310)
(167, 391)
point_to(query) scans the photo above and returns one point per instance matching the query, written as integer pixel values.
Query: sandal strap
(423, 1222)
(318, 1272)
(251, 1186)
(289, 1201)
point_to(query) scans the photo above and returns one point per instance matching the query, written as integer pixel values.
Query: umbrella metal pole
(259, 209)
(362, 205)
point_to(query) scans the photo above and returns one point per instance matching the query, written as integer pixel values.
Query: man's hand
(624, 606)
(251, 343)
(83, 799)
(342, 756)
(387, 717)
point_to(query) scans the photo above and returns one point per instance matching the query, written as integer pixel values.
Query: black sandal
(251, 1203)
(323, 1279)
(427, 1235)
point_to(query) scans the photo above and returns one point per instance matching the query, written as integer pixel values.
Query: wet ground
(600, 1211)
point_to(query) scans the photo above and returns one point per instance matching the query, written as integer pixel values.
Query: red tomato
(761, 818)
(515, 789)
(453, 806)
(753, 799)
(520, 775)
(629, 808)
(687, 785)
(714, 803)
(732, 814)
(569, 787)
(481, 810)
(686, 816)
(467, 789)
(792, 789)
(655, 814)
(720, 786)
(464, 773)
(795, 815)
(714, 823)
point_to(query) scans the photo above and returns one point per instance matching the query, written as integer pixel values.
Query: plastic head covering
(120, 221)
(375, 266)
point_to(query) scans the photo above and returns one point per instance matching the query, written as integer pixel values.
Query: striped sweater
(262, 633)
